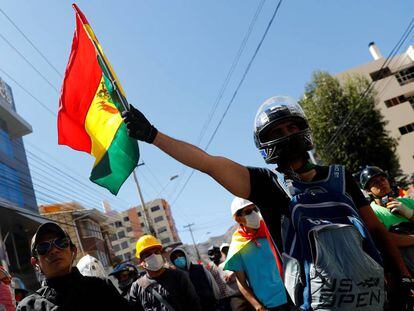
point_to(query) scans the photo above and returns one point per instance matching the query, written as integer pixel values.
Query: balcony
(16, 125)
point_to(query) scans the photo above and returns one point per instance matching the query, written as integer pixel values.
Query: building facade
(89, 229)
(130, 225)
(394, 84)
(161, 219)
(19, 217)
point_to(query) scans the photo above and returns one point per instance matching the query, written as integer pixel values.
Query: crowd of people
(314, 241)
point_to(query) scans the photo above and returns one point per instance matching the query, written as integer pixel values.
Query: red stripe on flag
(79, 12)
(82, 77)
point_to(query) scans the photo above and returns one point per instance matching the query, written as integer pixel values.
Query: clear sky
(172, 58)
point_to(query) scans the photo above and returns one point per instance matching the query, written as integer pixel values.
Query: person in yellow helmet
(160, 288)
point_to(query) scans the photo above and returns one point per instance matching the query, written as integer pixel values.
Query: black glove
(138, 126)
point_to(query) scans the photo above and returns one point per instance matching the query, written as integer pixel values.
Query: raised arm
(231, 175)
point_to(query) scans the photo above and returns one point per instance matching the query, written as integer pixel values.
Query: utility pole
(147, 219)
(192, 236)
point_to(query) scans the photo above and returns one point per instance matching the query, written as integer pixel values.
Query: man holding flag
(250, 257)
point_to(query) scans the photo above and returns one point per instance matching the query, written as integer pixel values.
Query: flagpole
(122, 99)
(107, 67)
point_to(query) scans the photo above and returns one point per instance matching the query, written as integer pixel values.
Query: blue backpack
(330, 260)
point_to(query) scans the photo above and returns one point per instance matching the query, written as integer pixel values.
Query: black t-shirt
(174, 286)
(273, 201)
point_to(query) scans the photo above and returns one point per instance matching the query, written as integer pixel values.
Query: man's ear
(74, 250)
(34, 262)
(141, 263)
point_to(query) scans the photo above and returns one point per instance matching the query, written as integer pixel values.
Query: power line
(387, 61)
(31, 43)
(230, 72)
(221, 92)
(29, 93)
(29, 63)
(235, 92)
(55, 171)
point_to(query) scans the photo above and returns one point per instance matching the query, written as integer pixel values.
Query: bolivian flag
(89, 117)
(241, 238)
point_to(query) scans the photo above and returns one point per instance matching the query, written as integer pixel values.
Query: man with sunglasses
(251, 258)
(65, 288)
(283, 137)
(160, 288)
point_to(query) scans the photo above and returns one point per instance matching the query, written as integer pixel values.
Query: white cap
(224, 245)
(238, 204)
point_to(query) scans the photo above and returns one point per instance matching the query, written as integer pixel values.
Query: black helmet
(273, 111)
(368, 173)
(130, 272)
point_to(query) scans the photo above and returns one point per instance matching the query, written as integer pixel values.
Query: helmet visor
(277, 131)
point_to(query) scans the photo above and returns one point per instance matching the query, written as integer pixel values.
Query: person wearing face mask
(214, 255)
(250, 257)
(161, 288)
(204, 284)
(126, 274)
(65, 288)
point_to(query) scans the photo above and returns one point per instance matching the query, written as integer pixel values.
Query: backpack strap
(150, 288)
(336, 179)
(334, 182)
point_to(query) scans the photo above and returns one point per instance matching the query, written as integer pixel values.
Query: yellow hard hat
(145, 242)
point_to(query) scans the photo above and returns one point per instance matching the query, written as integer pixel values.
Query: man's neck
(307, 175)
(155, 274)
(250, 230)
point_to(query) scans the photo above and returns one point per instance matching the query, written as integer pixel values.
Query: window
(116, 248)
(166, 240)
(90, 228)
(155, 208)
(162, 229)
(405, 76)
(113, 237)
(158, 219)
(139, 214)
(10, 185)
(380, 74)
(411, 100)
(121, 234)
(103, 258)
(142, 224)
(118, 224)
(5, 142)
(399, 100)
(406, 129)
(129, 229)
(126, 218)
(124, 245)
(127, 257)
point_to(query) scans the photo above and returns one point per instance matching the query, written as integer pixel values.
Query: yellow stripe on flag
(102, 122)
(92, 36)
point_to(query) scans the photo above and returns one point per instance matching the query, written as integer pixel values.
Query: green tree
(363, 139)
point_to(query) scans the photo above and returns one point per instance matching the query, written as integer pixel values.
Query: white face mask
(154, 262)
(253, 220)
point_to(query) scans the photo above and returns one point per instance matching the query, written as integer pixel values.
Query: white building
(123, 241)
(161, 219)
(394, 85)
(130, 225)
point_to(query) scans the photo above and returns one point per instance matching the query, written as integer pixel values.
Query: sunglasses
(248, 212)
(44, 247)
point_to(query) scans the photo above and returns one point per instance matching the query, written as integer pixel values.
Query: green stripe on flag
(118, 162)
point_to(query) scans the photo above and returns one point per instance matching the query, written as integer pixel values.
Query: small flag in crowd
(89, 117)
